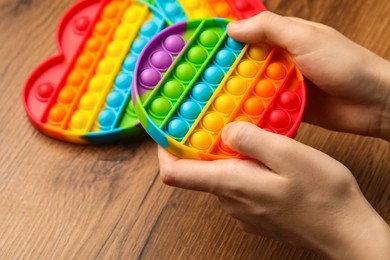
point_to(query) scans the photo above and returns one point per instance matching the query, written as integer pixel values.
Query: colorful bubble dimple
(276, 71)
(247, 69)
(84, 62)
(265, 88)
(93, 45)
(172, 89)
(123, 81)
(208, 38)
(225, 58)
(172, 9)
(57, 114)
(236, 86)
(253, 106)
(213, 122)
(114, 49)
(222, 10)
(123, 32)
(131, 15)
(289, 100)
(201, 140)
(88, 102)
(110, 11)
(258, 52)
(177, 128)
(44, 91)
(81, 24)
(233, 44)
(106, 118)
(130, 62)
(149, 29)
(174, 43)
(185, 72)
(193, 4)
(200, 13)
(213, 75)
(197, 55)
(189, 109)
(279, 119)
(224, 104)
(66, 96)
(115, 99)
(106, 66)
(97, 84)
(149, 78)
(160, 107)
(201, 92)
(79, 120)
(243, 5)
(130, 110)
(102, 28)
(161, 60)
(139, 44)
(75, 78)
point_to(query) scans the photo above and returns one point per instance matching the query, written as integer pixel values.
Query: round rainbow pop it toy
(83, 94)
(192, 79)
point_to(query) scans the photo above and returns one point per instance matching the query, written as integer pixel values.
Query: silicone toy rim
(170, 143)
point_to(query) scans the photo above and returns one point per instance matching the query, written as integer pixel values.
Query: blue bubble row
(200, 93)
(172, 10)
(118, 99)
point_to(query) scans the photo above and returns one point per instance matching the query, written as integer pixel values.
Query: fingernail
(235, 25)
(225, 132)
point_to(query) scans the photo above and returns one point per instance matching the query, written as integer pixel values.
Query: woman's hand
(353, 84)
(289, 191)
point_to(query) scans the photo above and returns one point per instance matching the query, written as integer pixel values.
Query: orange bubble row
(244, 97)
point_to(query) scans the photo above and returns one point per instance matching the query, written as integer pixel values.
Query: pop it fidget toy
(192, 79)
(83, 94)
(182, 10)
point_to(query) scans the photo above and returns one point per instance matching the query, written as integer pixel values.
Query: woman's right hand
(352, 84)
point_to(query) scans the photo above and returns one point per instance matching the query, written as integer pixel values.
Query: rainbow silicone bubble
(182, 10)
(206, 80)
(83, 94)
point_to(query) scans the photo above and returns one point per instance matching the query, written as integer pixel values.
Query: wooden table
(65, 201)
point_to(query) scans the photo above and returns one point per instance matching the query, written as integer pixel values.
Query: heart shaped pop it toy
(182, 10)
(192, 79)
(83, 94)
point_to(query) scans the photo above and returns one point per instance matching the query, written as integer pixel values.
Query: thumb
(269, 148)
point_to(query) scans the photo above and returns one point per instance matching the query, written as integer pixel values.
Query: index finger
(217, 177)
(270, 27)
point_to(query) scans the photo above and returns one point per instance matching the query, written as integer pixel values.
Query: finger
(305, 22)
(270, 27)
(219, 177)
(271, 149)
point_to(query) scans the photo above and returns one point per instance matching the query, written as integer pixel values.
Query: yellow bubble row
(210, 8)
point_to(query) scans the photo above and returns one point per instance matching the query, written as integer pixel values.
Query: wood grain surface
(67, 201)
